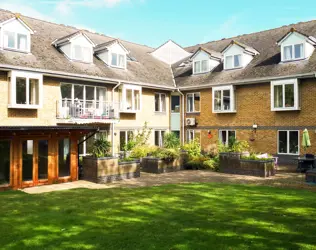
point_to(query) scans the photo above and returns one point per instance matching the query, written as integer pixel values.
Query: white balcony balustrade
(87, 111)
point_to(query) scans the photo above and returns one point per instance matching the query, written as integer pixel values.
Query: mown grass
(191, 216)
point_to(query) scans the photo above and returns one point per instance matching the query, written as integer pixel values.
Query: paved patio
(282, 179)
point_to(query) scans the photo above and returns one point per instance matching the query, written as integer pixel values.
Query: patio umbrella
(306, 141)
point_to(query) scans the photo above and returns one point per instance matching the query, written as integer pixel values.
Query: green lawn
(194, 216)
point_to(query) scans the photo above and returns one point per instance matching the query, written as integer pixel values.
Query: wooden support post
(74, 158)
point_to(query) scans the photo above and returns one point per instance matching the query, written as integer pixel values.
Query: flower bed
(233, 164)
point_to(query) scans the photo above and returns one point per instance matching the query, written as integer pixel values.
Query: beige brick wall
(253, 106)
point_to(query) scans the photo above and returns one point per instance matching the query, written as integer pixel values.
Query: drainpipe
(112, 125)
(182, 114)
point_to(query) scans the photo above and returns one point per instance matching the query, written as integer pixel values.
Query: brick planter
(311, 176)
(108, 169)
(158, 166)
(232, 164)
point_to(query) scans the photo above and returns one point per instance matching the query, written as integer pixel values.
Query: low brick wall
(232, 163)
(108, 169)
(311, 176)
(158, 166)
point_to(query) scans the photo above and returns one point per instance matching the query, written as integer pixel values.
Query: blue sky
(152, 22)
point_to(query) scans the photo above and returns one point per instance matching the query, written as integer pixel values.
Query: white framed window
(16, 41)
(159, 137)
(192, 134)
(225, 135)
(200, 66)
(223, 99)
(125, 137)
(130, 98)
(284, 95)
(193, 102)
(289, 142)
(160, 102)
(26, 90)
(118, 60)
(233, 61)
(293, 52)
(82, 53)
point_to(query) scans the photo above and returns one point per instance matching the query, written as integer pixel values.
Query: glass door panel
(43, 159)
(64, 157)
(4, 162)
(27, 160)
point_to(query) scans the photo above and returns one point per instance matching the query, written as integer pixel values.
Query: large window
(130, 98)
(223, 99)
(160, 102)
(64, 157)
(233, 61)
(288, 142)
(82, 53)
(159, 137)
(125, 137)
(85, 148)
(118, 60)
(4, 162)
(25, 89)
(284, 95)
(15, 41)
(293, 52)
(193, 102)
(200, 66)
(226, 135)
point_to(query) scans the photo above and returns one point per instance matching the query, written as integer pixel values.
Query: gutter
(250, 81)
(82, 77)
(182, 115)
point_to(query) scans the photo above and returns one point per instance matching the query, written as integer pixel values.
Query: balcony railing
(87, 110)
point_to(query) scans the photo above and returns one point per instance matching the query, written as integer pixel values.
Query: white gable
(17, 26)
(233, 50)
(81, 40)
(170, 53)
(293, 38)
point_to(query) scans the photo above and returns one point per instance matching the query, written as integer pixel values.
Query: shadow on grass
(187, 216)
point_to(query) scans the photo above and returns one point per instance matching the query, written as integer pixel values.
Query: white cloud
(25, 8)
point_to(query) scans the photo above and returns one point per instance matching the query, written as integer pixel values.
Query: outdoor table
(305, 163)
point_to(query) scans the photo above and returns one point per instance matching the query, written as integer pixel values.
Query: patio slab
(282, 179)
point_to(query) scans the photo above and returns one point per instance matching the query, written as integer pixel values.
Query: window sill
(17, 50)
(193, 113)
(285, 109)
(160, 112)
(201, 73)
(117, 67)
(289, 154)
(293, 60)
(23, 106)
(241, 67)
(224, 112)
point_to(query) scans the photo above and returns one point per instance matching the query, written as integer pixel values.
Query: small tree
(171, 140)
(101, 147)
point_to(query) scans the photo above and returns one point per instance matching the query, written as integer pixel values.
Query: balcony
(82, 112)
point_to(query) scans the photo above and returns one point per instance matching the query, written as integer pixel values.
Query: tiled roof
(264, 65)
(44, 55)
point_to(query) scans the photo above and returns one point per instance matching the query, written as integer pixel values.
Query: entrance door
(34, 162)
(175, 114)
(4, 162)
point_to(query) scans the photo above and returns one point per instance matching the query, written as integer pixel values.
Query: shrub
(233, 146)
(193, 148)
(142, 151)
(211, 164)
(211, 150)
(202, 162)
(166, 154)
(101, 147)
(127, 159)
(171, 140)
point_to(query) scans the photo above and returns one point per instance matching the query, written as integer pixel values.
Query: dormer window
(232, 62)
(296, 46)
(238, 55)
(293, 52)
(205, 60)
(15, 35)
(200, 66)
(112, 53)
(76, 46)
(118, 60)
(82, 53)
